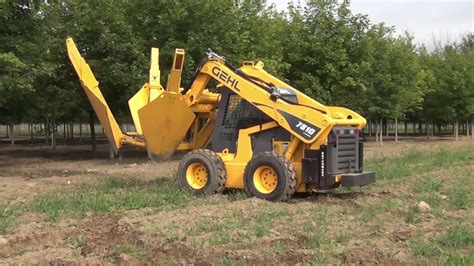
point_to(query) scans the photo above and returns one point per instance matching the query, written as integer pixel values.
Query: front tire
(202, 172)
(270, 176)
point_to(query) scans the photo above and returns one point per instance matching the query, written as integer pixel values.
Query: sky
(426, 20)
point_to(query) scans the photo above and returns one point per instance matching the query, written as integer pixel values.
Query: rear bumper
(357, 179)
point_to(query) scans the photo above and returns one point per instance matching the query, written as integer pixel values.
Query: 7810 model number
(306, 129)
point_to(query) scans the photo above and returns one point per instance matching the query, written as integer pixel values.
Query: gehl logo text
(225, 77)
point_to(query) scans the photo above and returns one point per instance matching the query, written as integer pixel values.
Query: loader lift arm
(308, 120)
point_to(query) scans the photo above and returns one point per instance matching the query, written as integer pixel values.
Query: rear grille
(346, 153)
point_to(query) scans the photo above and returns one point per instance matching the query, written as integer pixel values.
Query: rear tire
(270, 176)
(202, 172)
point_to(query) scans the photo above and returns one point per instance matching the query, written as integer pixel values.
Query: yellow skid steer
(252, 131)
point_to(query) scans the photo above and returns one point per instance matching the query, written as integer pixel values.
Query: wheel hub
(196, 175)
(265, 179)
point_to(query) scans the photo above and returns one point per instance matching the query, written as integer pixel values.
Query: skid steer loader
(252, 131)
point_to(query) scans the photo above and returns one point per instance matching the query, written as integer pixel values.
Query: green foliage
(320, 48)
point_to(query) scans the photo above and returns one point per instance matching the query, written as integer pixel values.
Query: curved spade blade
(165, 122)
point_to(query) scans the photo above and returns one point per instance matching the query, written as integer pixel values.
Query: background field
(72, 205)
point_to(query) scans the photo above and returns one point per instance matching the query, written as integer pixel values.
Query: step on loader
(251, 131)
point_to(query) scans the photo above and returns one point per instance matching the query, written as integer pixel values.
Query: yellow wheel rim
(196, 175)
(265, 179)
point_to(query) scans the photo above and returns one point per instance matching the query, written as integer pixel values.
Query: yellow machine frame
(174, 118)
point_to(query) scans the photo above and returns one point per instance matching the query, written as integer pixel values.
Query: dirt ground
(363, 225)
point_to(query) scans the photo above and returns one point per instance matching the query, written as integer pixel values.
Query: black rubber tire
(286, 176)
(214, 165)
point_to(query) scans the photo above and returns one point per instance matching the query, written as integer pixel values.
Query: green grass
(448, 248)
(461, 197)
(226, 260)
(238, 194)
(458, 236)
(427, 185)
(413, 162)
(412, 217)
(423, 248)
(77, 241)
(134, 250)
(114, 194)
(8, 218)
(314, 233)
(251, 227)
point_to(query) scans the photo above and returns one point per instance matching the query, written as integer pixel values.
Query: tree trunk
(456, 130)
(80, 132)
(370, 128)
(71, 130)
(53, 132)
(406, 128)
(381, 131)
(30, 127)
(472, 128)
(65, 133)
(467, 129)
(428, 129)
(11, 126)
(420, 127)
(386, 127)
(46, 131)
(396, 129)
(376, 130)
(92, 128)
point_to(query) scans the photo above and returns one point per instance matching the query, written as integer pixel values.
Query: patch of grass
(134, 250)
(226, 260)
(315, 235)
(264, 222)
(238, 195)
(456, 258)
(415, 161)
(249, 227)
(219, 228)
(221, 238)
(114, 194)
(8, 218)
(461, 197)
(422, 248)
(173, 238)
(78, 241)
(457, 237)
(370, 211)
(278, 248)
(412, 217)
(428, 185)
(344, 238)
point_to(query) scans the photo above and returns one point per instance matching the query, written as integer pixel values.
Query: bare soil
(364, 225)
